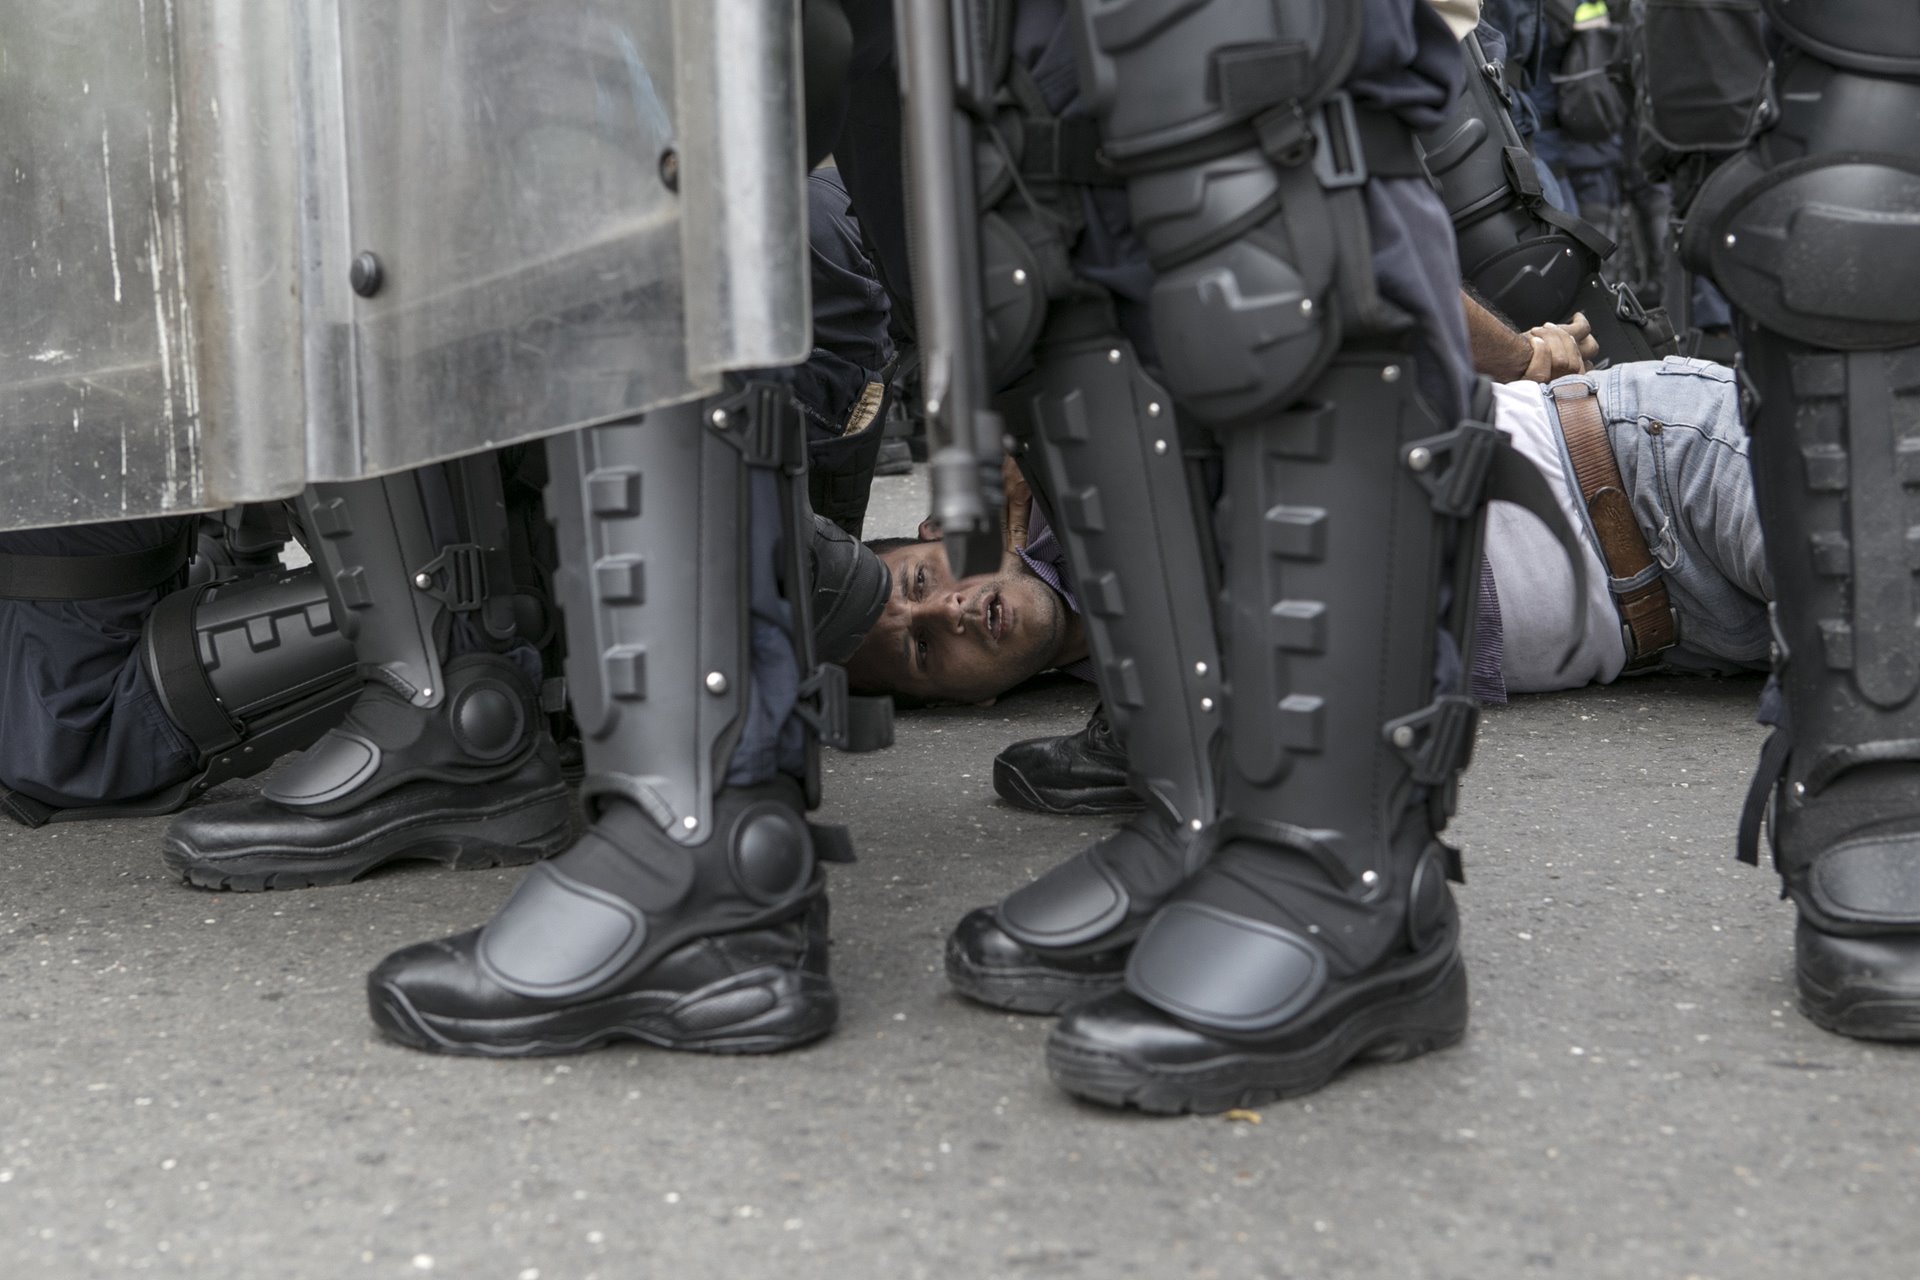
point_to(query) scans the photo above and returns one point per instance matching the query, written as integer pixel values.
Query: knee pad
(1811, 233)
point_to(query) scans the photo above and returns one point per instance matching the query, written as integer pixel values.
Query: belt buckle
(1632, 644)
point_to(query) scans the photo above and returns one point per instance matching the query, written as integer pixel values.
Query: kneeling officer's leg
(444, 754)
(128, 694)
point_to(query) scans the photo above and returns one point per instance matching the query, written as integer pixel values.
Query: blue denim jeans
(1676, 432)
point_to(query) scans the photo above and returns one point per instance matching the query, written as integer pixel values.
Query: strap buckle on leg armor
(762, 421)
(457, 578)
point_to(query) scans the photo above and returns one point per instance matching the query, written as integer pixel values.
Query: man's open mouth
(996, 615)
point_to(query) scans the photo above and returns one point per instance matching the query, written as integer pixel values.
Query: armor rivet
(1194, 825)
(1390, 374)
(426, 693)
(1403, 737)
(1199, 668)
(1732, 240)
(670, 169)
(933, 408)
(1567, 254)
(718, 417)
(690, 822)
(1799, 789)
(1019, 275)
(716, 682)
(366, 275)
(422, 581)
(1369, 878)
(1159, 446)
(1306, 306)
(1419, 459)
(1153, 408)
(1113, 356)
(1206, 704)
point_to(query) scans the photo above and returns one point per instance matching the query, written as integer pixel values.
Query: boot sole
(469, 838)
(1430, 1015)
(765, 1010)
(1036, 990)
(1861, 1011)
(1013, 787)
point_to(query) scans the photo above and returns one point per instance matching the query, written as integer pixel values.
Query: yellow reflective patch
(1590, 11)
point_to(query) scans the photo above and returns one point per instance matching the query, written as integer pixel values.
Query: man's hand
(1019, 506)
(1560, 349)
(1019, 511)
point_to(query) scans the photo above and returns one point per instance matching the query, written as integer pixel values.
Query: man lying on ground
(1696, 595)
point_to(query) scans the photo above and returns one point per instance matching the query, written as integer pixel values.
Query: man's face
(965, 641)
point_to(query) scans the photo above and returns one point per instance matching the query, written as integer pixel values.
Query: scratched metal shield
(186, 186)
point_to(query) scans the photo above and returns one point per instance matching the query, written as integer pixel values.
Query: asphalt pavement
(192, 1087)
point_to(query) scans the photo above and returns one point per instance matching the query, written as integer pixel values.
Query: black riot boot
(1811, 234)
(1321, 929)
(1074, 773)
(436, 759)
(1143, 582)
(1839, 779)
(692, 914)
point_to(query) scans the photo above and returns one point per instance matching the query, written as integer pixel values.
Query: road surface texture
(193, 1089)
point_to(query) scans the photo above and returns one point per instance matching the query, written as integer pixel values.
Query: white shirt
(1530, 572)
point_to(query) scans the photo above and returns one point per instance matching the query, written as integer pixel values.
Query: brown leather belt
(1647, 621)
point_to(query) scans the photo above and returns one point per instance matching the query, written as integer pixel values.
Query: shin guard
(1350, 530)
(692, 913)
(1113, 473)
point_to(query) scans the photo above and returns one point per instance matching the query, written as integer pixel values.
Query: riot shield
(251, 245)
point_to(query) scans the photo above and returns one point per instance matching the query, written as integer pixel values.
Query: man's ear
(929, 530)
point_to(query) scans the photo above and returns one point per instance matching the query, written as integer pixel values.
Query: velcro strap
(1521, 175)
(840, 721)
(24, 809)
(94, 577)
(831, 843)
(1248, 79)
(1353, 144)
(1065, 150)
(171, 647)
(1647, 622)
(1581, 230)
(1773, 762)
(869, 724)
